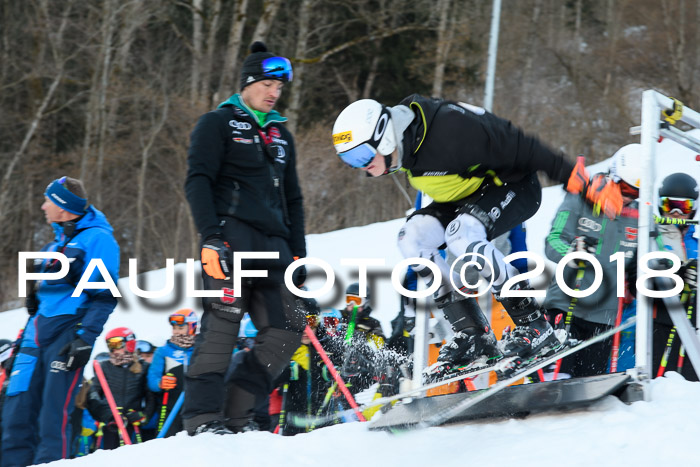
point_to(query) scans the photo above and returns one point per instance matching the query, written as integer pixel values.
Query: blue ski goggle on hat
(277, 68)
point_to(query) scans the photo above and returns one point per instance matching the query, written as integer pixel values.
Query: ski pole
(110, 400)
(163, 410)
(98, 435)
(681, 351)
(137, 432)
(667, 353)
(326, 401)
(171, 417)
(580, 272)
(351, 326)
(616, 339)
(341, 384)
(283, 411)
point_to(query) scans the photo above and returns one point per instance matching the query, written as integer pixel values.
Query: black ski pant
(592, 360)
(274, 312)
(659, 342)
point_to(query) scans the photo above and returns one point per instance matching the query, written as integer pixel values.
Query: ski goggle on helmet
(185, 317)
(119, 338)
(362, 130)
(676, 205)
(678, 194)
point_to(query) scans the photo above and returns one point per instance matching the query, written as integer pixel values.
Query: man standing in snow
(577, 228)
(244, 194)
(58, 339)
(480, 170)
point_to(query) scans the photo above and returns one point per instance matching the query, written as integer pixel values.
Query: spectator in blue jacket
(165, 375)
(59, 336)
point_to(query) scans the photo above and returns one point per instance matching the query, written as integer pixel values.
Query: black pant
(274, 312)
(659, 343)
(592, 360)
(499, 208)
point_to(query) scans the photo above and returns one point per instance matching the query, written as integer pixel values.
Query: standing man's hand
(78, 353)
(216, 257)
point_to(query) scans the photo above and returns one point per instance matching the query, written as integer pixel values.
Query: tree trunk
(444, 36)
(208, 59)
(295, 94)
(262, 29)
(197, 38)
(56, 42)
(228, 74)
(141, 193)
(530, 51)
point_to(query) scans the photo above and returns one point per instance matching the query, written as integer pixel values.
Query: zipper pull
(276, 181)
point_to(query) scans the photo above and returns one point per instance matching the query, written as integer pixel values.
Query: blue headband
(64, 199)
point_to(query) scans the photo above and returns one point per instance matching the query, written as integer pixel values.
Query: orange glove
(168, 382)
(579, 178)
(216, 258)
(609, 200)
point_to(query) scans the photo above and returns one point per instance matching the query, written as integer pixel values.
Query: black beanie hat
(252, 65)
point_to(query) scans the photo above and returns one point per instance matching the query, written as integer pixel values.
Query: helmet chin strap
(387, 165)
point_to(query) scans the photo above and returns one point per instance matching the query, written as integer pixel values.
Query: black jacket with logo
(236, 168)
(450, 148)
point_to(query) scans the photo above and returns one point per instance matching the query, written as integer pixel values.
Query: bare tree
(444, 36)
(232, 48)
(55, 41)
(208, 60)
(301, 50)
(197, 39)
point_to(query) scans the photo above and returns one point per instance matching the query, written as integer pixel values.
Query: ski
(303, 419)
(459, 373)
(460, 408)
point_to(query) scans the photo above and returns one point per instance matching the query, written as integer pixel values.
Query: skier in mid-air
(481, 172)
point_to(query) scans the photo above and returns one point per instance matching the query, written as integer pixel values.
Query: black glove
(299, 276)
(78, 353)
(134, 417)
(216, 257)
(689, 272)
(32, 303)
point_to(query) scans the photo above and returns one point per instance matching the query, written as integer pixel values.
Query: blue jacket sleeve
(100, 303)
(155, 371)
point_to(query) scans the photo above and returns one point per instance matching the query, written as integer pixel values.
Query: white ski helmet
(362, 130)
(626, 163)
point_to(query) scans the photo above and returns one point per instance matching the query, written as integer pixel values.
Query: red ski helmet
(121, 337)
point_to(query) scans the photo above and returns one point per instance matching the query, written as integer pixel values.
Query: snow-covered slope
(658, 433)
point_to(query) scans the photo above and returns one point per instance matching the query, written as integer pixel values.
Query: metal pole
(649, 137)
(421, 327)
(493, 52)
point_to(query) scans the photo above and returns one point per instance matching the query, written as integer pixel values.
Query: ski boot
(533, 336)
(473, 345)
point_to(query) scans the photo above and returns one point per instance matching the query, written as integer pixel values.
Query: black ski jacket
(450, 148)
(130, 391)
(236, 168)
